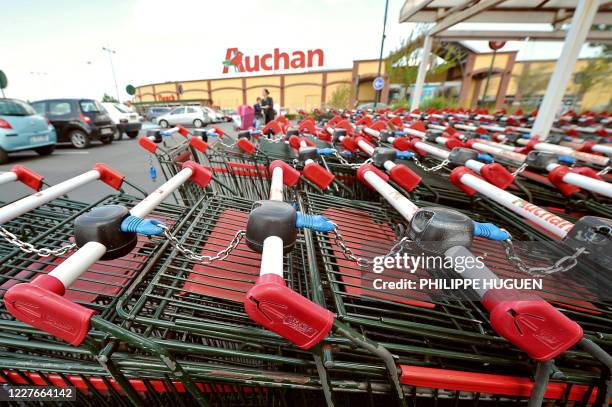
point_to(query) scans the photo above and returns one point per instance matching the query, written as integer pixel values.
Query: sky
(54, 49)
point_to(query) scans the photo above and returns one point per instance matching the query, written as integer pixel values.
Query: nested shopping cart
(431, 330)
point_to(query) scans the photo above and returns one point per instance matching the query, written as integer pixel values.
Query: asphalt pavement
(125, 156)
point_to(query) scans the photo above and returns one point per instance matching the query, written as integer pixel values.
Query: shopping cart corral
(257, 284)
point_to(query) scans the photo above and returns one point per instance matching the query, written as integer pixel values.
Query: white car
(194, 116)
(215, 115)
(127, 121)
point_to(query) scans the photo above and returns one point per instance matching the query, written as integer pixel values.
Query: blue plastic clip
(566, 159)
(404, 155)
(326, 151)
(318, 223)
(152, 173)
(490, 231)
(485, 158)
(143, 226)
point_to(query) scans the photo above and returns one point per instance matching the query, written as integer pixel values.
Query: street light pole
(110, 57)
(382, 46)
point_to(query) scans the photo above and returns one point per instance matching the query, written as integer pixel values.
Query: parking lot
(125, 156)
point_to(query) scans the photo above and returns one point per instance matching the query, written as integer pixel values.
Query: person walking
(267, 106)
(258, 113)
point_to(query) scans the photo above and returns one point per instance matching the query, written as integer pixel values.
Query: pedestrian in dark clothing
(258, 112)
(267, 106)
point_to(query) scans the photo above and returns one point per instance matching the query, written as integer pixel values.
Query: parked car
(214, 115)
(155, 111)
(21, 128)
(127, 121)
(186, 116)
(78, 121)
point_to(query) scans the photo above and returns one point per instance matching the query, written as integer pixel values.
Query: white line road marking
(70, 152)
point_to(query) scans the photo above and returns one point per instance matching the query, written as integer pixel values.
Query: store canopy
(447, 13)
(576, 15)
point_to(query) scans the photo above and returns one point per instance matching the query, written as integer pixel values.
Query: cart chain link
(520, 169)
(344, 161)
(29, 248)
(604, 171)
(563, 264)
(435, 168)
(338, 239)
(191, 255)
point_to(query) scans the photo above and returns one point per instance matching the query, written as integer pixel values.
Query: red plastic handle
(318, 175)
(283, 311)
(369, 167)
(246, 146)
(147, 144)
(294, 141)
(402, 143)
(291, 176)
(307, 126)
(37, 305)
(182, 131)
(455, 177)
(405, 177)
(497, 175)
(109, 176)
(349, 143)
(198, 144)
(531, 324)
(28, 177)
(201, 175)
(556, 178)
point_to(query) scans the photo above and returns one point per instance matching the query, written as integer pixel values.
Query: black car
(78, 121)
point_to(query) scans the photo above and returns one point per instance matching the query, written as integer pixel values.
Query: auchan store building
(316, 87)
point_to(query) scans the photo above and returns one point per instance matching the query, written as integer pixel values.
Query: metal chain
(435, 168)
(225, 145)
(343, 161)
(338, 239)
(604, 171)
(191, 255)
(563, 264)
(29, 248)
(520, 169)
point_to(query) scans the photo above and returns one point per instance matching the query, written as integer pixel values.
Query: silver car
(184, 115)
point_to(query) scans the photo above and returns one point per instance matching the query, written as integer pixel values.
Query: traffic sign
(495, 45)
(378, 83)
(3, 80)
(130, 90)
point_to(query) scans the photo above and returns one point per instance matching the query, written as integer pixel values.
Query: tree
(530, 82)
(109, 98)
(403, 63)
(341, 97)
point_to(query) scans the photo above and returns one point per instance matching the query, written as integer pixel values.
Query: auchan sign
(237, 61)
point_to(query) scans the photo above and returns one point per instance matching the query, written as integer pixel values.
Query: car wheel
(198, 123)
(132, 134)
(163, 124)
(4, 158)
(107, 140)
(46, 150)
(80, 139)
(118, 135)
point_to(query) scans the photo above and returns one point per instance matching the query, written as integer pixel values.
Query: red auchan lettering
(274, 61)
(544, 215)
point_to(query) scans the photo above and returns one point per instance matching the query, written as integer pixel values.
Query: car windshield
(91, 106)
(121, 108)
(15, 108)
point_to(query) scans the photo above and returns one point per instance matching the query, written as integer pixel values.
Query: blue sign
(378, 83)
